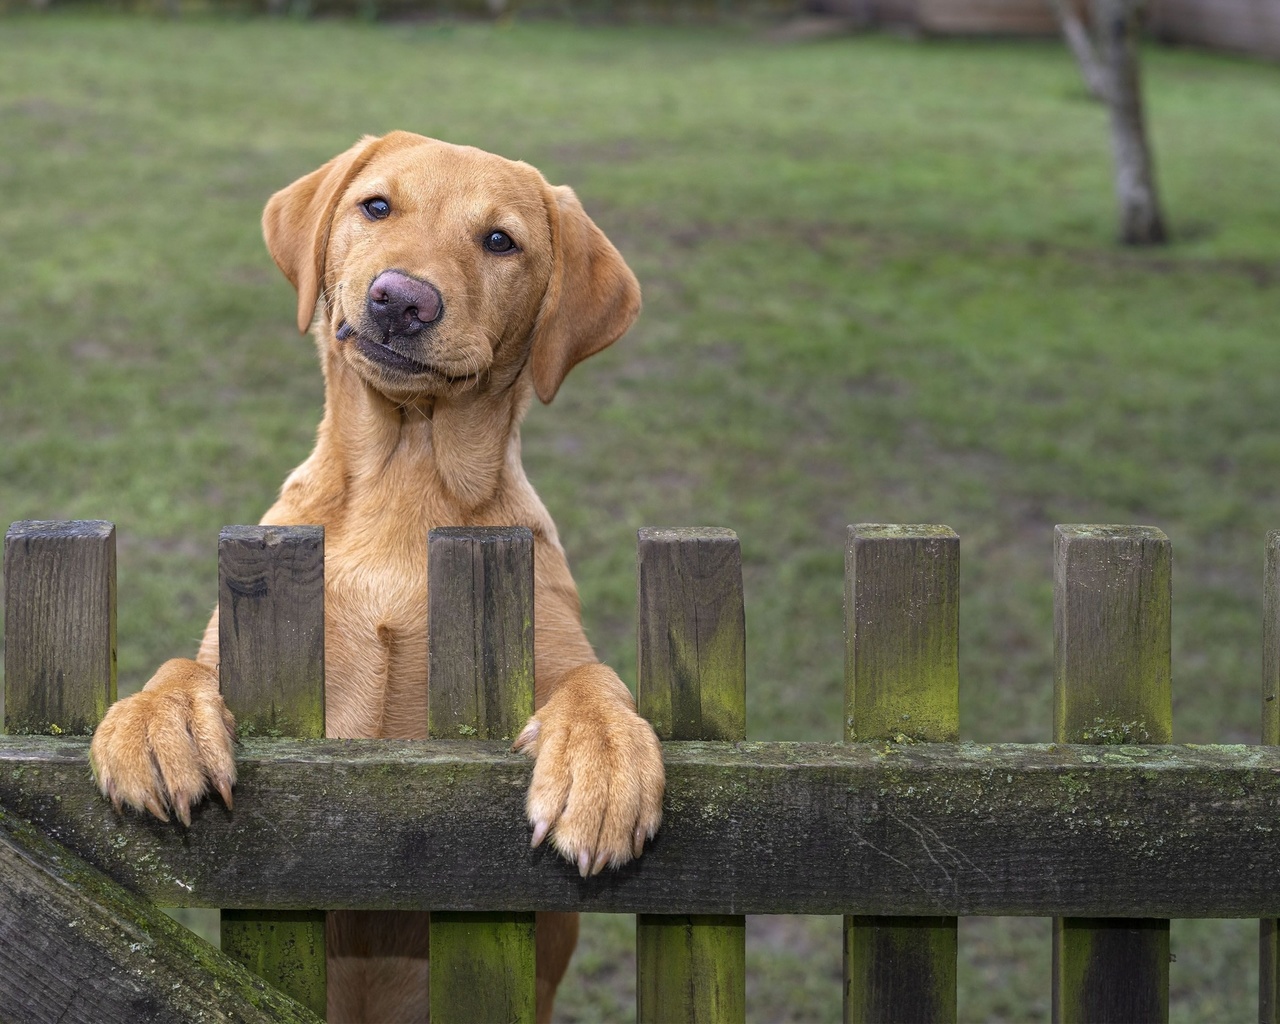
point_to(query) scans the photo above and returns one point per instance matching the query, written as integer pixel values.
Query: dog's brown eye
(376, 208)
(499, 241)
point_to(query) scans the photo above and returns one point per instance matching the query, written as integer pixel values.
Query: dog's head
(443, 268)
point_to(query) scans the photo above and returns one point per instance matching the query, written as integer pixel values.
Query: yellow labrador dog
(445, 286)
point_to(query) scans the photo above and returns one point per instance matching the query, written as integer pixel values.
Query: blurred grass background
(880, 286)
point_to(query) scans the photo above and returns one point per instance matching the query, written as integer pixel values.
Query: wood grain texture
(902, 625)
(902, 621)
(482, 967)
(691, 967)
(1111, 635)
(284, 947)
(60, 626)
(1268, 985)
(1269, 928)
(271, 646)
(1107, 970)
(271, 629)
(77, 947)
(480, 630)
(898, 829)
(900, 969)
(1112, 685)
(1271, 639)
(691, 653)
(691, 634)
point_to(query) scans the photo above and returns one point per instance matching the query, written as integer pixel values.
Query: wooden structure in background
(1244, 26)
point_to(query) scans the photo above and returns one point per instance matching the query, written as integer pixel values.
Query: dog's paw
(163, 748)
(598, 776)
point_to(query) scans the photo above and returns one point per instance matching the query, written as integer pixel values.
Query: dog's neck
(466, 443)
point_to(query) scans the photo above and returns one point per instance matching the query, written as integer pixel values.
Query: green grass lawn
(880, 286)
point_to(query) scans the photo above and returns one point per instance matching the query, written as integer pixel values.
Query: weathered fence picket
(1112, 672)
(75, 945)
(692, 676)
(271, 673)
(481, 686)
(1269, 927)
(60, 627)
(901, 829)
(902, 684)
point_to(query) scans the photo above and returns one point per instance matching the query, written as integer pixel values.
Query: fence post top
(59, 528)
(269, 534)
(676, 534)
(1103, 532)
(482, 534)
(894, 531)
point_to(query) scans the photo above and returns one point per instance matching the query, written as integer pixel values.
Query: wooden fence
(1110, 829)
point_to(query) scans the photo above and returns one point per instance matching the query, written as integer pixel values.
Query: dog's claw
(224, 791)
(155, 807)
(584, 863)
(540, 831)
(183, 812)
(637, 841)
(601, 860)
(528, 737)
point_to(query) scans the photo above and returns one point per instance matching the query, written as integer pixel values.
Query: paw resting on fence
(163, 749)
(598, 778)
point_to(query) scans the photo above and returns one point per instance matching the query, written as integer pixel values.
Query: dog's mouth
(380, 352)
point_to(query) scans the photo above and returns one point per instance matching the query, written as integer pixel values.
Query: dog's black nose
(402, 305)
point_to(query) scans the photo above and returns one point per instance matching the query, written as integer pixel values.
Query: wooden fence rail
(1111, 829)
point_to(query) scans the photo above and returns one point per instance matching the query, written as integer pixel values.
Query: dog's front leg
(598, 778)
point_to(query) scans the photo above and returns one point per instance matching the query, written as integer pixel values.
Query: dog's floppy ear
(591, 299)
(297, 218)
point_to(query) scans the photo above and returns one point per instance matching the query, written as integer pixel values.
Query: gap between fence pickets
(965, 829)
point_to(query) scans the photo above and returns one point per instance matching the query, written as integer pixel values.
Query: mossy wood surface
(1106, 970)
(271, 629)
(898, 829)
(902, 627)
(271, 648)
(1113, 595)
(1269, 928)
(900, 969)
(902, 622)
(1113, 592)
(480, 630)
(481, 686)
(60, 626)
(77, 947)
(1268, 954)
(691, 634)
(692, 678)
(1271, 640)
(482, 967)
(284, 947)
(691, 968)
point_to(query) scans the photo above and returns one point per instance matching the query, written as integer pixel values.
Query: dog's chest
(376, 642)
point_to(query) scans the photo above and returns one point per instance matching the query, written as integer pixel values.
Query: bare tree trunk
(1081, 45)
(1119, 26)
(1108, 59)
